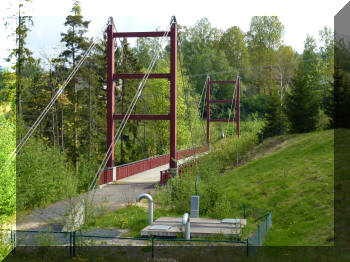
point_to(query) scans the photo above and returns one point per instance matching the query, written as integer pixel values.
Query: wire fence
(77, 242)
(257, 238)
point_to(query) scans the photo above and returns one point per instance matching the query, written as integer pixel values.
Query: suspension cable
(129, 111)
(53, 100)
(234, 95)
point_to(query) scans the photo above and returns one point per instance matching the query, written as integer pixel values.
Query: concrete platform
(200, 227)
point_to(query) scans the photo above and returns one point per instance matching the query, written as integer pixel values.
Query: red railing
(165, 175)
(136, 167)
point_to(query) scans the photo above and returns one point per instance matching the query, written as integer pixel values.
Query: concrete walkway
(106, 198)
(148, 176)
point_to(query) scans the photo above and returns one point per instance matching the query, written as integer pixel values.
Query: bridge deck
(148, 176)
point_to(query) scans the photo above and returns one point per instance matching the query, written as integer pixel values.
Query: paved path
(108, 197)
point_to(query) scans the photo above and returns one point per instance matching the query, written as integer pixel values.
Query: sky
(299, 17)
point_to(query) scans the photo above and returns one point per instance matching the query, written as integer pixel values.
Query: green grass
(132, 217)
(295, 182)
(293, 176)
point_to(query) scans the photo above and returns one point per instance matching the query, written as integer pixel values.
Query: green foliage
(302, 215)
(224, 155)
(263, 39)
(273, 124)
(7, 176)
(7, 87)
(43, 176)
(232, 43)
(303, 101)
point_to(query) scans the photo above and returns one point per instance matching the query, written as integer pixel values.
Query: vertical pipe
(110, 92)
(238, 107)
(208, 110)
(173, 96)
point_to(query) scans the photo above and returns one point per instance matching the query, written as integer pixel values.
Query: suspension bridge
(114, 182)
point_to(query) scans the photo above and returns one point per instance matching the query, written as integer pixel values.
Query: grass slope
(294, 179)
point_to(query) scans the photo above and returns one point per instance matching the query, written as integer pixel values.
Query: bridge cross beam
(172, 77)
(209, 101)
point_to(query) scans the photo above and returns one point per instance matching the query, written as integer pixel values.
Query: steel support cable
(186, 96)
(129, 111)
(234, 95)
(53, 100)
(205, 96)
(127, 115)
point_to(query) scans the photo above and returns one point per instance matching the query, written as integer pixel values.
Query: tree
(75, 43)
(302, 103)
(129, 64)
(264, 38)
(233, 44)
(23, 54)
(272, 118)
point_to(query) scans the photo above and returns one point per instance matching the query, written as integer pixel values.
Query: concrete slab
(200, 227)
(148, 176)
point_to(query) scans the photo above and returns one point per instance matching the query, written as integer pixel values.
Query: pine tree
(273, 117)
(302, 103)
(22, 53)
(75, 43)
(338, 106)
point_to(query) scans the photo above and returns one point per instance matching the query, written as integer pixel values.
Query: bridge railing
(129, 169)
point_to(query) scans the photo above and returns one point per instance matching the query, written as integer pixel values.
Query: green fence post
(258, 235)
(152, 247)
(74, 245)
(247, 247)
(14, 242)
(70, 245)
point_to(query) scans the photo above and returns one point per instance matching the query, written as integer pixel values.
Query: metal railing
(74, 241)
(257, 238)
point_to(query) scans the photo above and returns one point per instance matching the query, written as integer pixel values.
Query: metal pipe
(150, 205)
(186, 223)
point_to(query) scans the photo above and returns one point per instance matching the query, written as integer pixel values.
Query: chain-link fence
(75, 243)
(257, 238)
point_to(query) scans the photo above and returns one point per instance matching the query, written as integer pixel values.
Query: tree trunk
(62, 131)
(75, 114)
(19, 65)
(90, 116)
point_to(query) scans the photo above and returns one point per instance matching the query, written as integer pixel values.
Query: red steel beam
(173, 94)
(110, 93)
(141, 34)
(221, 101)
(140, 76)
(222, 82)
(143, 117)
(221, 120)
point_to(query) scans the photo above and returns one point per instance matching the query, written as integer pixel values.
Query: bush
(8, 175)
(43, 175)
(224, 155)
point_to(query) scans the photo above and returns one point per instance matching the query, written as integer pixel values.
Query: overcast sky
(300, 17)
